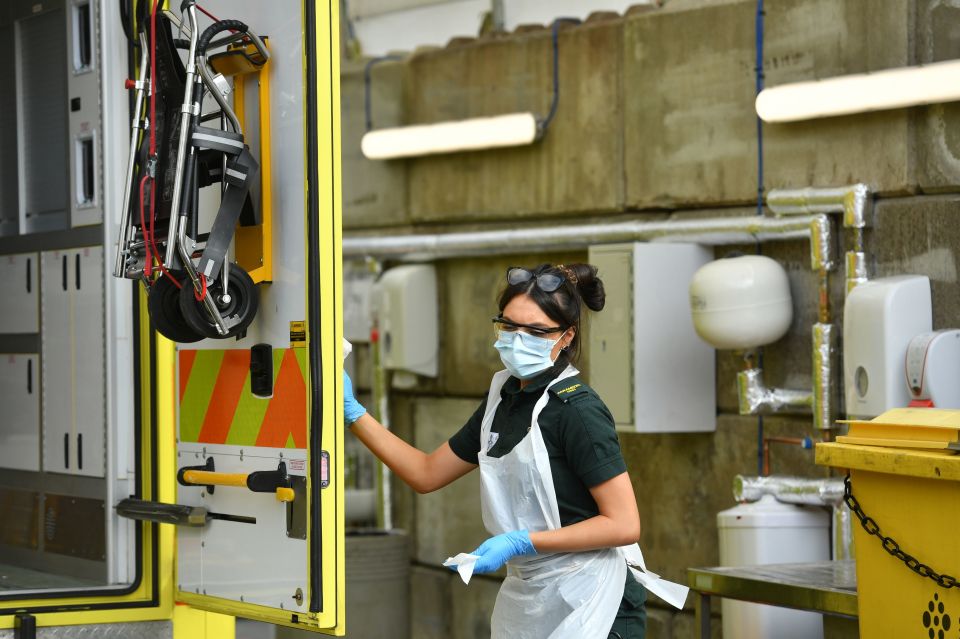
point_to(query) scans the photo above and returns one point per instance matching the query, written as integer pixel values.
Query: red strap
(921, 403)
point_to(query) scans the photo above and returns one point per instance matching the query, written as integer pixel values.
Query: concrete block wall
(374, 193)
(661, 124)
(574, 169)
(689, 137)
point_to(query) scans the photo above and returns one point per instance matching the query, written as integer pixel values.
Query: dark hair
(580, 286)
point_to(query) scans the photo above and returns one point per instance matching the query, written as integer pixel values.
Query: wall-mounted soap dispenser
(405, 305)
(880, 319)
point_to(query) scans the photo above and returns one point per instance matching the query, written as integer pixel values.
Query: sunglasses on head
(546, 281)
(504, 324)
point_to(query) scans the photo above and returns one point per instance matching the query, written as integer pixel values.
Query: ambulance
(170, 339)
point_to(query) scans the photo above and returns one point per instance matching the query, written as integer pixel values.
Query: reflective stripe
(217, 407)
(205, 137)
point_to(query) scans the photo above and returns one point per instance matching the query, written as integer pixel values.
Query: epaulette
(570, 389)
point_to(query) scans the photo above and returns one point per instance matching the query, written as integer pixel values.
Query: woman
(555, 493)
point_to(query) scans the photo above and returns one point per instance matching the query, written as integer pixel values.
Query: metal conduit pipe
(755, 397)
(709, 231)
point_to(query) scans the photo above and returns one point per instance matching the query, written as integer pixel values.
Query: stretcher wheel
(238, 312)
(164, 307)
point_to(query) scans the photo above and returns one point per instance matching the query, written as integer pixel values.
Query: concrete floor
(247, 629)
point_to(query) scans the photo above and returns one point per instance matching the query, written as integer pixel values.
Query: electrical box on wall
(405, 307)
(880, 319)
(646, 360)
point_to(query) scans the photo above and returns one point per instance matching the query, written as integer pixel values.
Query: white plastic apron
(549, 595)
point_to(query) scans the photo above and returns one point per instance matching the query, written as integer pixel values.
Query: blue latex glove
(352, 409)
(500, 549)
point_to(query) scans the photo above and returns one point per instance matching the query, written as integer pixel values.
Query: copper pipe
(797, 441)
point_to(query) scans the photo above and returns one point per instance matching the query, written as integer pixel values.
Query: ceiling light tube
(514, 129)
(860, 93)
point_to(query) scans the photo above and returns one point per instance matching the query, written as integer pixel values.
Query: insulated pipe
(756, 399)
(856, 269)
(824, 405)
(805, 492)
(709, 231)
(852, 201)
(789, 490)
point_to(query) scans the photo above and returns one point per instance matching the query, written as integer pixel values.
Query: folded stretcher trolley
(195, 290)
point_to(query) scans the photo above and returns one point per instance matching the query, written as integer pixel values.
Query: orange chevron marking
(225, 396)
(287, 414)
(186, 365)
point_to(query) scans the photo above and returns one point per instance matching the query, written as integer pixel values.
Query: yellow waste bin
(908, 563)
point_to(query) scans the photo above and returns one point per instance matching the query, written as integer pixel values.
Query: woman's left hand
(500, 549)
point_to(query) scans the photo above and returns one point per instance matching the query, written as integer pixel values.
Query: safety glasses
(502, 324)
(548, 282)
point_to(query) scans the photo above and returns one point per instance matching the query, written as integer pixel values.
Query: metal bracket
(208, 466)
(297, 509)
(267, 481)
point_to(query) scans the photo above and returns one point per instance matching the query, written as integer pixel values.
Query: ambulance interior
(72, 379)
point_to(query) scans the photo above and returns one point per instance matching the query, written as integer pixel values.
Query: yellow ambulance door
(259, 422)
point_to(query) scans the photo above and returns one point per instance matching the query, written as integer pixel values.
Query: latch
(289, 489)
(262, 481)
(176, 514)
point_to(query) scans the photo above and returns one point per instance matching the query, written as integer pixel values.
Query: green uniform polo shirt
(581, 440)
(578, 431)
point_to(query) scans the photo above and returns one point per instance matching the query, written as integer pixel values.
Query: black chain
(891, 546)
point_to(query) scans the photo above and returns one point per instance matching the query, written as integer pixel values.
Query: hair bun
(589, 286)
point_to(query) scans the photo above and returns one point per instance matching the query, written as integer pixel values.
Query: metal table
(828, 587)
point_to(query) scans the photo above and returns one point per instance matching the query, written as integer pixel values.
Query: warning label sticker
(298, 334)
(299, 465)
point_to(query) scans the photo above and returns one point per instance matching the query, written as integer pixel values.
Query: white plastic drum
(768, 532)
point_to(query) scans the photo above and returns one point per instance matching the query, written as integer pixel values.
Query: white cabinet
(646, 360)
(18, 290)
(72, 348)
(20, 399)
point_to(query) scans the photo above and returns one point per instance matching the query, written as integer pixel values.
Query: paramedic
(555, 493)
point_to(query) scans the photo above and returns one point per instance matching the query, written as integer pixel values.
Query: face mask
(524, 355)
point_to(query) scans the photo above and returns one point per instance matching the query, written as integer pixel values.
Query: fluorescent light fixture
(514, 129)
(843, 95)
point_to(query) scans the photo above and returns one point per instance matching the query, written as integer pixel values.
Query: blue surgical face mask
(524, 355)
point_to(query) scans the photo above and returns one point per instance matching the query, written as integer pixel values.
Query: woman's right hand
(352, 409)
